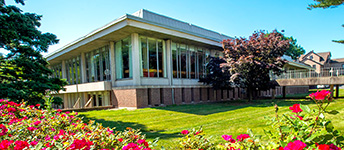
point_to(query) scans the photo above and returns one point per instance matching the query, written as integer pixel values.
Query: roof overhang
(123, 27)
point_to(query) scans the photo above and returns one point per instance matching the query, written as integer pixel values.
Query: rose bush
(301, 129)
(29, 127)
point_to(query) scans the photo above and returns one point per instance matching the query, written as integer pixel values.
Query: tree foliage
(326, 4)
(294, 50)
(249, 61)
(217, 77)
(24, 73)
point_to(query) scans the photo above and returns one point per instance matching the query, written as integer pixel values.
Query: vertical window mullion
(187, 61)
(71, 71)
(107, 63)
(196, 63)
(148, 68)
(76, 70)
(101, 67)
(179, 61)
(157, 57)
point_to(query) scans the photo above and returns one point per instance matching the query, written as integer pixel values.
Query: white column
(65, 101)
(112, 62)
(169, 61)
(64, 73)
(135, 47)
(83, 68)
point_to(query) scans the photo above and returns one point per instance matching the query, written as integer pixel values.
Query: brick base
(152, 97)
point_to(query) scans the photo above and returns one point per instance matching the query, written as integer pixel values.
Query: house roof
(337, 60)
(140, 21)
(324, 57)
(296, 63)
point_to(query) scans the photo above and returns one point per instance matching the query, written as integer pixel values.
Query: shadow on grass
(223, 106)
(121, 126)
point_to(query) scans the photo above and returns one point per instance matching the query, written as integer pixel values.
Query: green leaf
(249, 131)
(311, 138)
(329, 126)
(305, 108)
(333, 112)
(285, 129)
(39, 146)
(58, 145)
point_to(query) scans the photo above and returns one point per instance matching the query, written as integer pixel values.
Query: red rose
(296, 108)
(185, 132)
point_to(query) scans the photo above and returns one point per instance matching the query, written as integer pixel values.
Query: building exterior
(337, 63)
(139, 60)
(322, 61)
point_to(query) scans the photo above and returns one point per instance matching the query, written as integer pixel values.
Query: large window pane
(145, 57)
(123, 59)
(126, 58)
(106, 64)
(57, 70)
(152, 58)
(200, 63)
(98, 65)
(188, 61)
(174, 60)
(73, 70)
(183, 59)
(160, 58)
(192, 62)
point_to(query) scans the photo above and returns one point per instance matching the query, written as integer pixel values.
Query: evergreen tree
(328, 4)
(294, 50)
(24, 73)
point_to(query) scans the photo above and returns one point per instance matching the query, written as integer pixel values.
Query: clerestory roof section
(138, 22)
(175, 24)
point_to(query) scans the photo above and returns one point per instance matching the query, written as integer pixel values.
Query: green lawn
(220, 118)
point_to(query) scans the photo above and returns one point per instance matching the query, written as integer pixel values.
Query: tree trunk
(250, 94)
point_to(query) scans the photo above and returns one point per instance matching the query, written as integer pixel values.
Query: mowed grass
(230, 117)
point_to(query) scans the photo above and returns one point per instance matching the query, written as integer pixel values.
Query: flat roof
(151, 18)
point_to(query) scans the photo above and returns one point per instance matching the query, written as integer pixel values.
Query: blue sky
(314, 29)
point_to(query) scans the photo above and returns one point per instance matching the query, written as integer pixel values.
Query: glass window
(192, 62)
(201, 62)
(174, 60)
(57, 70)
(160, 59)
(153, 57)
(73, 70)
(123, 59)
(188, 61)
(98, 65)
(182, 61)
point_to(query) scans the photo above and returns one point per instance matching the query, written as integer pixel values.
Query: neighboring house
(337, 63)
(322, 61)
(295, 64)
(316, 60)
(139, 60)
